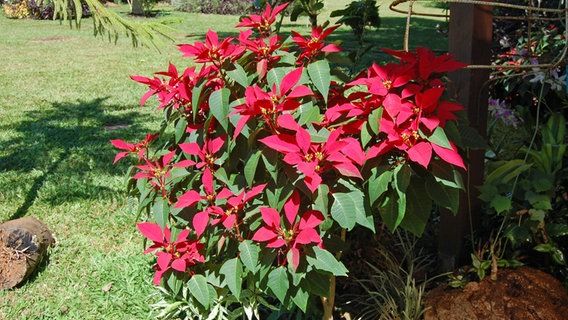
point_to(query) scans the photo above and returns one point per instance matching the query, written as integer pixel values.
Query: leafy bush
(265, 161)
(238, 7)
(34, 9)
(524, 189)
(16, 10)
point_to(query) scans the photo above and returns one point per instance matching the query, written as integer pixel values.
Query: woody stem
(329, 302)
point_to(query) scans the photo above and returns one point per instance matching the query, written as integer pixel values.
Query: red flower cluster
(268, 96)
(290, 239)
(179, 254)
(409, 96)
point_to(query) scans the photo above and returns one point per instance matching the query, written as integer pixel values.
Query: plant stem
(329, 302)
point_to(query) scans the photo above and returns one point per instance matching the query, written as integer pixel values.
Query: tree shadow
(424, 32)
(68, 145)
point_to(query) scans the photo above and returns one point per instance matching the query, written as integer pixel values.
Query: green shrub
(214, 6)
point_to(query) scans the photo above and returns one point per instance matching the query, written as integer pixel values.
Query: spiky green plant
(390, 290)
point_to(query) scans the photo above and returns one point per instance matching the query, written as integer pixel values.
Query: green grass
(64, 95)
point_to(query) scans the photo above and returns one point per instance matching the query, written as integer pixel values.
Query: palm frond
(110, 24)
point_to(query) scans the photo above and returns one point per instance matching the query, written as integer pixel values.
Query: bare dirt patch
(522, 293)
(51, 39)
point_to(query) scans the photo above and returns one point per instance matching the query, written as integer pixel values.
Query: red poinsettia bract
(410, 94)
(226, 214)
(192, 197)
(264, 49)
(315, 159)
(139, 148)
(206, 153)
(311, 47)
(290, 237)
(262, 23)
(212, 51)
(157, 172)
(269, 105)
(178, 254)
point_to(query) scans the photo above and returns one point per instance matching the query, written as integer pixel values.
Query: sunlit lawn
(63, 95)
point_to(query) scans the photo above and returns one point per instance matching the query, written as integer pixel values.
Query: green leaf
(174, 282)
(239, 75)
(326, 261)
(319, 136)
(196, 98)
(374, 118)
(300, 298)
(318, 283)
(363, 213)
(378, 185)
(320, 76)
(418, 209)
(178, 173)
(343, 210)
(308, 114)
(401, 206)
(279, 283)
(219, 106)
(109, 23)
(267, 257)
(517, 234)
(249, 255)
(251, 167)
(554, 132)
(233, 270)
(198, 287)
(470, 138)
(365, 134)
(539, 201)
(439, 137)
(402, 174)
(443, 195)
(321, 202)
(161, 211)
(270, 158)
(275, 75)
(179, 132)
(390, 212)
(278, 196)
(501, 204)
(558, 256)
(556, 229)
(544, 247)
(537, 215)
(506, 171)
(447, 175)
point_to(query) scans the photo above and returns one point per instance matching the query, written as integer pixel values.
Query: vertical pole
(471, 29)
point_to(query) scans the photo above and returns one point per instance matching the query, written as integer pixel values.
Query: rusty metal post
(471, 29)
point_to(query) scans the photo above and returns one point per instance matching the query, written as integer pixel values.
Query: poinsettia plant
(266, 159)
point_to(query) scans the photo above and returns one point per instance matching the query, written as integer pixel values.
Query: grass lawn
(64, 95)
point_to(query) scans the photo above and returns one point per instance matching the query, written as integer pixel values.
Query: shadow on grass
(423, 33)
(68, 145)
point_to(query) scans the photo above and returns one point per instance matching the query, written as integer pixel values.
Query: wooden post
(470, 36)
